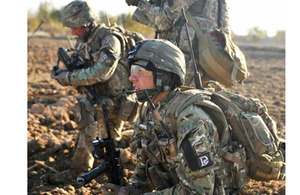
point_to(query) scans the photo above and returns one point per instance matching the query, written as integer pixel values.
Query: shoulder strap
(100, 31)
(232, 113)
(129, 37)
(202, 99)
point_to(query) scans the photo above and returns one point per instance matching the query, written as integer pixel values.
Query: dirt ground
(51, 130)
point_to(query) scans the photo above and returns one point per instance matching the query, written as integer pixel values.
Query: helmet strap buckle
(158, 81)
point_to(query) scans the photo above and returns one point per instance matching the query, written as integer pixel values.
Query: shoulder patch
(103, 57)
(196, 158)
(185, 129)
(205, 160)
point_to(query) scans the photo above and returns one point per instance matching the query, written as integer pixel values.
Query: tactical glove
(55, 71)
(132, 2)
(64, 78)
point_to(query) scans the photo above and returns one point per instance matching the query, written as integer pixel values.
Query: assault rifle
(105, 148)
(111, 165)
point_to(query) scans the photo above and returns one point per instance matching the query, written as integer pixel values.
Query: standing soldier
(102, 53)
(208, 27)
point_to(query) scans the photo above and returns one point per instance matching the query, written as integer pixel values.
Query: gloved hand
(132, 2)
(64, 78)
(55, 71)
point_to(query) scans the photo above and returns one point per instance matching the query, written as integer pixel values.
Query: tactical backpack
(249, 146)
(127, 38)
(219, 57)
(253, 128)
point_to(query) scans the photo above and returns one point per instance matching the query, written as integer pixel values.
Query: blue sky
(269, 15)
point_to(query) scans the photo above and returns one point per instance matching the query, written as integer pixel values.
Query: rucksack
(219, 56)
(254, 129)
(249, 146)
(126, 37)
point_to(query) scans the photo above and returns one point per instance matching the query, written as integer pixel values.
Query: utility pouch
(236, 155)
(155, 178)
(266, 161)
(240, 171)
(129, 108)
(169, 149)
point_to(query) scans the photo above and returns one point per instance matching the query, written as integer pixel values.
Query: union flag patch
(103, 57)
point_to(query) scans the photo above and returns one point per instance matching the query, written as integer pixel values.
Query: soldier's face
(80, 31)
(141, 78)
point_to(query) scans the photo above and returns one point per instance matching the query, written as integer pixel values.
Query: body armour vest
(90, 51)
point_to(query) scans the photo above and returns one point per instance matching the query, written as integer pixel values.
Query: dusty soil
(51, 130)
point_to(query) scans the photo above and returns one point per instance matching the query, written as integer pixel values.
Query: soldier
(102, 52)
(180, 160)
(203, 18)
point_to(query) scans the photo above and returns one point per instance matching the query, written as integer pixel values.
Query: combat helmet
(162, 57)
(77, 14)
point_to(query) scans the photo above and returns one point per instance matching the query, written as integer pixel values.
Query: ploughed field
(51, 130)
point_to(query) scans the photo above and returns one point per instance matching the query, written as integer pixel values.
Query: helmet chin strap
(89, 27)
(158, 80)
(141, 96)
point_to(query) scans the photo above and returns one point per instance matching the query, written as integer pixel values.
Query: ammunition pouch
(168, 147)
(156, 172)
(234, 156)
(157, 181)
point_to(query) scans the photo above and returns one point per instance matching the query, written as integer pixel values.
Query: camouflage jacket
(106, 66)
(166, 17)
(184, 165)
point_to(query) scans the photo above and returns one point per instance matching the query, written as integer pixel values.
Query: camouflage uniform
(186, 162)
(195, 130)
(166, 18)
(105, 68)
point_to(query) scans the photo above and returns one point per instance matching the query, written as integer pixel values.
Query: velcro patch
(205, 160)
(103, 57)
(200, 148)
(185, 129)
(196, 158)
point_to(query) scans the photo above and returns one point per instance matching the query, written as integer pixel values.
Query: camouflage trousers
(190, 72)
(91, 124)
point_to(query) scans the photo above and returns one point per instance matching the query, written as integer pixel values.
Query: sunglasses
(139, 71)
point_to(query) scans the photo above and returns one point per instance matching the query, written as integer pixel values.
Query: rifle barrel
(89, 176)
(197, 77)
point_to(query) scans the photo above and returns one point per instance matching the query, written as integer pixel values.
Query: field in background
(51, 130)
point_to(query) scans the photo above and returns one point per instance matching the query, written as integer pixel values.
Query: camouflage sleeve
(197, 157)
(224, 17)
(160, 18)
(106, 61)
